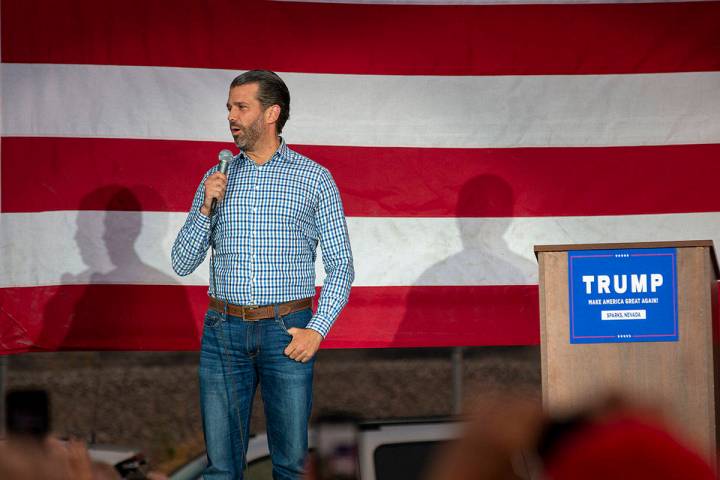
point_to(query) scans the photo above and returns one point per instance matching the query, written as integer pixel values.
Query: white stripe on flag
(70, 247)
(369, 110)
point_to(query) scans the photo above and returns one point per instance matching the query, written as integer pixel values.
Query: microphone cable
(222, 344)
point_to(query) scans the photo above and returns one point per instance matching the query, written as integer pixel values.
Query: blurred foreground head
(498, 435)
(618, 440)
(511, 439)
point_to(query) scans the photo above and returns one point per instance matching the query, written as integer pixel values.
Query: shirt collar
(280, 155)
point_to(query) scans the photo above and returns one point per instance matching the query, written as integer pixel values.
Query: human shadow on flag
(468, 298)
(119, 301)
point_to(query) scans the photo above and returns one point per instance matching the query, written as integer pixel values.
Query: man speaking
(263, 220)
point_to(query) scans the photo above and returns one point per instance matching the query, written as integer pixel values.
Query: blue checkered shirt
(265, 234)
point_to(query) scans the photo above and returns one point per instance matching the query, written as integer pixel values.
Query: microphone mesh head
(225, 157)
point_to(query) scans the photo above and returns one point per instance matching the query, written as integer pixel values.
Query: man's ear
(272, 113)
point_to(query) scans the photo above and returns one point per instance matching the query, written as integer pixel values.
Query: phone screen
(337, 450)
(27, 413)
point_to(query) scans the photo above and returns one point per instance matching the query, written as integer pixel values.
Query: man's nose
(231, 114)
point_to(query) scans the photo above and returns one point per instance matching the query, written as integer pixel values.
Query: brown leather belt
(253, 312)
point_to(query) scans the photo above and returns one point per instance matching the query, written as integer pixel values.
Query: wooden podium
(679, 376)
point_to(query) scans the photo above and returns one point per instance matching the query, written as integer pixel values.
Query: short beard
(251, 135)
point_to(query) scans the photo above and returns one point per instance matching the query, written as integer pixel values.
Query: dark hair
(271, 91)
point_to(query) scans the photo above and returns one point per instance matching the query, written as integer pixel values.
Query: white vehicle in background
(387, 450)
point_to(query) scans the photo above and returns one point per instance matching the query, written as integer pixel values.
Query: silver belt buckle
(248, 307)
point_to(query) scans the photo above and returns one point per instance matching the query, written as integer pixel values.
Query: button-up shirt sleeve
(193, 240)
(336, 255)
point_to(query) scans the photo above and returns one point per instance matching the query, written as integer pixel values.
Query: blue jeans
(235, 356)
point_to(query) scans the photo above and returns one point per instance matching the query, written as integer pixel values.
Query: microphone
(225, 157)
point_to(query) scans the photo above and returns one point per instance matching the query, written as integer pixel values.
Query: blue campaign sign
(623, 295)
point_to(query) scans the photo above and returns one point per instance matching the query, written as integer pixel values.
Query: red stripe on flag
(438, 316)
(83, 174)
(367, 39)
(163, 317)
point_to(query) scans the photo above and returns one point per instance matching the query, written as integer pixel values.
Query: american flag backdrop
(459, 136)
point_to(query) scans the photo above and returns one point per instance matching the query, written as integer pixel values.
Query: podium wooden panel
(679, 377)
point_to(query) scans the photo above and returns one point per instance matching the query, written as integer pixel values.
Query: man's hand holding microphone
(216, 184)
